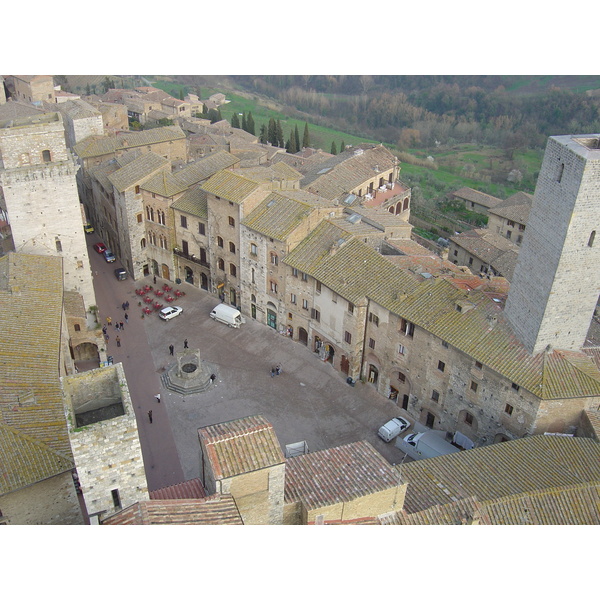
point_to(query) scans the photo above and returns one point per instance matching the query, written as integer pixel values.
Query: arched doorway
(329, 353)
(165, 272)
(189, 275)
(303, 336)
(203, 281)
(154, 265)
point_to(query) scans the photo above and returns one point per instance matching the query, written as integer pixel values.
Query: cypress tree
(272, 132)
(280, 139)
(244, 122)
(343, 146)
(291, 145)
(306, 137)
(333, 148)
(250, 123)
(297, 139)
(263, 137)
(235, 121)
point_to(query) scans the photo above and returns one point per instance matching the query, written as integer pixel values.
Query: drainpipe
(362, 358)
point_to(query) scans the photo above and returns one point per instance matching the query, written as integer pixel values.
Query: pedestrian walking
(123, 306)
(278, 370)
(117, 326)
(272, 371)
(154, 280)
(158, 397)
(185, 343)
(108, 320)
(127, 305)
(213, 377)
(150, 416)
(118, 339)
(171, 349)
(106, 337)
(121, 326)
(104, 330)
(126, 318)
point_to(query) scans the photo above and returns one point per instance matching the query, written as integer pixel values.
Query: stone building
(104, 440)
(34, 89)
(81, 120)
(38, 181)
(485, 252)
(509, 218)
(344, 485)
(243, 458)
(231, 196)
(276, 226)
(556, 285)
(475, 200)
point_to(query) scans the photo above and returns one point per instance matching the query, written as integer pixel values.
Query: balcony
(190, 257)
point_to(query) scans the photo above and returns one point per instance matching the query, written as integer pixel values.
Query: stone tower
(37, 180)
(556, 282)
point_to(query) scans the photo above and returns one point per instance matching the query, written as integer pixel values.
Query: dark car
(121, 274)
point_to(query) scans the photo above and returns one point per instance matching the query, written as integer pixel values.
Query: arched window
(232, 270)
(143, 243)
(221, 264)
(232, 247)
(274, 258)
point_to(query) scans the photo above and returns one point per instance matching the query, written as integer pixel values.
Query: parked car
(88, 228)
(393, 428)
(169, 312)
(109, 256)
(99, 248)
(121, 274)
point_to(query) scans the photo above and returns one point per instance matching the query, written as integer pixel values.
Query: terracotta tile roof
(277, 216)
(515, 208)
(205, 167)
(338, 474)
(349, 267)
(345, 171)
(213, 510)
(241, 446)
(100, 145)
(491, 472)
(467, 193)
(577, 504)
(181, 491)
(138, 170)
(491, 248)
(193, 202)
(32, 414)
(230, 186)
(165, 184)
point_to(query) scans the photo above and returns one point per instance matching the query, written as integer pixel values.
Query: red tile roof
(186, 490)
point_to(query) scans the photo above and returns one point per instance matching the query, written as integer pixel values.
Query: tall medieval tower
(37, 181)
(556, 282)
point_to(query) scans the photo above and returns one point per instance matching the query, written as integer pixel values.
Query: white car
(169, 312)
(393, 428)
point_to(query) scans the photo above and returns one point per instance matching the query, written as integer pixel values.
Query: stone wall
(107, 453)
(556, 282)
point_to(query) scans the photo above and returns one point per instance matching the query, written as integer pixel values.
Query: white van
(427, 444)
(227, 314)
(391, 429)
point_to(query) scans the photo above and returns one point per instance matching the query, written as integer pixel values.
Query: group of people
(276, 371)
